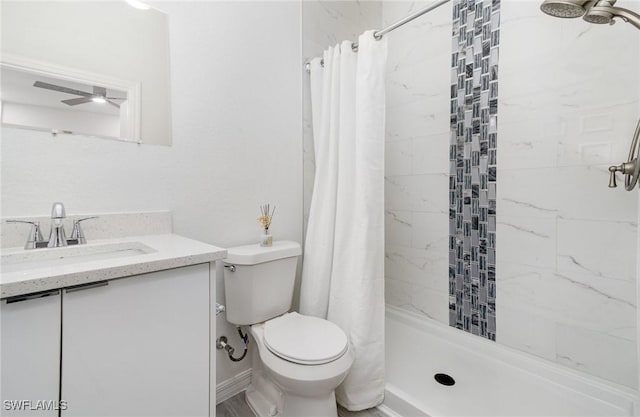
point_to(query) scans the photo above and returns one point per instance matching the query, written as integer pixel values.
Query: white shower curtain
(343, 270)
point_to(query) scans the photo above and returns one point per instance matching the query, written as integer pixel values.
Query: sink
(53, 257)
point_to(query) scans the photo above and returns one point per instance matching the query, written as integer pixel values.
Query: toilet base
(281, 404)
(267, 399)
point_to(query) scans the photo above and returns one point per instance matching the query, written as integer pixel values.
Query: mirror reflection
(71, 75)
(31, 100)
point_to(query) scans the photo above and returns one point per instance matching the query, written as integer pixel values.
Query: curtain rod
(380, 33)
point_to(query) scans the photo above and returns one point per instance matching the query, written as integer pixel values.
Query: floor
(237, 407)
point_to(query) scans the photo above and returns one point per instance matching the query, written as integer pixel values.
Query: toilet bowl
(291, 379)
(298, 360)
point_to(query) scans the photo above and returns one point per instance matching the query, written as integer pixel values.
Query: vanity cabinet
(30, 354)
(138, 347)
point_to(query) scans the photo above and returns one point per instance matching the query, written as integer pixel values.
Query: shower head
(567, 9)
(600, 14)
(593, 11)
(598, 17)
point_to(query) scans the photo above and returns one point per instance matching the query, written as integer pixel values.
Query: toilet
(298, 361)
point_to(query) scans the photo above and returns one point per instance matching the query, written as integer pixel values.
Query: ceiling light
(138, 4)
(98, 99)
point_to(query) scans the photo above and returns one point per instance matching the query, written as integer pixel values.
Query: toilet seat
(304, 340)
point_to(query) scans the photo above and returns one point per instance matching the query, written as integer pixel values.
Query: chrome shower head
(567, 9)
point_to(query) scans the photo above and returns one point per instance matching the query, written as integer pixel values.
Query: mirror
(90, 68)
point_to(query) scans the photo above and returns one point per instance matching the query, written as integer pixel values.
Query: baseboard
(233, 386)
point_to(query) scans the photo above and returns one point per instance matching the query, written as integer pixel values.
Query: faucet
(57, 235)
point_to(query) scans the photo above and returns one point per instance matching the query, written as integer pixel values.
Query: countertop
(169, 251)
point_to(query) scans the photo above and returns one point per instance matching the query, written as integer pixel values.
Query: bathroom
(560, 334)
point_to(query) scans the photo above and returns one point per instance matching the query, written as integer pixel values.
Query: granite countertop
(56, 268)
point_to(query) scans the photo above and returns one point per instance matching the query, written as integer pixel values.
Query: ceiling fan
(99, 94)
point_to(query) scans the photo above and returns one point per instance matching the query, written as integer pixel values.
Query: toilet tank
(258, 281)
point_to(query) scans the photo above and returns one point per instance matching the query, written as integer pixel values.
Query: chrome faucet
(57, 235)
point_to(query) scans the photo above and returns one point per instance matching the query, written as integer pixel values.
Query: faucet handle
(77, 232)
(612, 175)
(35, 235)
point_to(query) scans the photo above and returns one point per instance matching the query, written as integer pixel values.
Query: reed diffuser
(266, 215)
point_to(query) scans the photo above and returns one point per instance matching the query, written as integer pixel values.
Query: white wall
(237, 141)
(106, 38)
(72, 120)
(566, 244)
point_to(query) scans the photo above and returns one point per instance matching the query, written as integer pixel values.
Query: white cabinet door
(138, 346)
(30, 355)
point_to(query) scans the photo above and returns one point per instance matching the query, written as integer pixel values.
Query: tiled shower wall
(417, 161)
(566, 244)
(473, 158)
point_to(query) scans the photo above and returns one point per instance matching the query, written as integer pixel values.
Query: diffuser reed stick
(266, 217)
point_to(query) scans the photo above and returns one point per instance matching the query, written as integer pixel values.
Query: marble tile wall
(417, 162)
(567, 244)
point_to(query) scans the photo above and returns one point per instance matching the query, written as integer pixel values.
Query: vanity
(117, 326)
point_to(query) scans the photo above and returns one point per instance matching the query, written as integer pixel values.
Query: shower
(598, 12)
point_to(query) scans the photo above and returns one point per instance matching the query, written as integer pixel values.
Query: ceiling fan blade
(116, 98)
(61, 89)
(113, 103)
(99, 91)
(76, 101)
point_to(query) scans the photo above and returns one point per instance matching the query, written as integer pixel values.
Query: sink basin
(53, 257)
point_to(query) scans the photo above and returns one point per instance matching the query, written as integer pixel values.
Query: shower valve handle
(612, 176)
(631, 168)
(626, 168)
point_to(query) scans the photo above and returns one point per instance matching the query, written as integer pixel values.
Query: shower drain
(444, 379)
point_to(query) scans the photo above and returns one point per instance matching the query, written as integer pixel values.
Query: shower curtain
(343, 270)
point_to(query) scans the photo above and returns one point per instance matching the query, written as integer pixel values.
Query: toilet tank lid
(256, 254)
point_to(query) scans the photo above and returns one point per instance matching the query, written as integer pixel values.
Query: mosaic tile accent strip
(472, 158)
